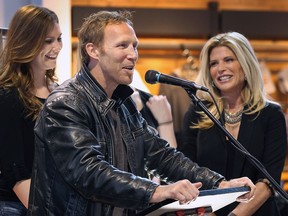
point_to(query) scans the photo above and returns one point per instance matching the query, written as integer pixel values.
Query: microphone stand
(256, 163)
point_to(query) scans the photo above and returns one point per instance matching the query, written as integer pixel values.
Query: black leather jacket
(73, 171)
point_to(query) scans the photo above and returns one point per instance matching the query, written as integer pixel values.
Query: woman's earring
(215, 87)
(213, 84)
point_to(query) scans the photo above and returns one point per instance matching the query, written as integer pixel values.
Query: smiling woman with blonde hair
(230, 70)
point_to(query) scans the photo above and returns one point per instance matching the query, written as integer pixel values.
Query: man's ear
(92, 50)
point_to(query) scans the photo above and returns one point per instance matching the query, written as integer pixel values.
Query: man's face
(118, 55)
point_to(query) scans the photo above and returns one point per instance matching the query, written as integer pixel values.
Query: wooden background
(275, 5)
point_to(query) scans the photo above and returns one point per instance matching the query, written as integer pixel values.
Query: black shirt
(16, 143)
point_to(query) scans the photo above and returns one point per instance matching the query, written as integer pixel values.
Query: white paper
(217, 199)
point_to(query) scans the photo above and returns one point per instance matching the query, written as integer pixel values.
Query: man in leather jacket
(92, 147)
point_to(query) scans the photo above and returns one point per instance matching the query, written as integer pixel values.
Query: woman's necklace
(233, 118)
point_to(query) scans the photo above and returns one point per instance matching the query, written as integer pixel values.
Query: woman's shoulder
(272, 109)
(270, 106)
(8, 95)
(9, 99)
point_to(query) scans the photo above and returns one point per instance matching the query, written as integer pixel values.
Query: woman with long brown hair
(27, 76)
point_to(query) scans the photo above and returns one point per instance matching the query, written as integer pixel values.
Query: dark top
(16, 143)
(145, 111)
(264, 136)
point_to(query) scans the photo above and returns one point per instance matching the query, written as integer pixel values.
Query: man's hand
(183, 190)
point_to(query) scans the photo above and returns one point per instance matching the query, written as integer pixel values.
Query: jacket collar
(120, 94)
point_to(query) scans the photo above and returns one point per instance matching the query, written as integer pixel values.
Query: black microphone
(153, 77)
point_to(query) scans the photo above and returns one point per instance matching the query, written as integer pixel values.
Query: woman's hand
(240, 182)
(160, 108)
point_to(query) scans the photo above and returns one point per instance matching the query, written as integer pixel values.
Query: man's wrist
(231, 214)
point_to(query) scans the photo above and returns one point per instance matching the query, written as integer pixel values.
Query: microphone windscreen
(151, 76)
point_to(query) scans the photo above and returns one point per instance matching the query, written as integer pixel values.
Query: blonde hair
(253, 94)
(25, 39)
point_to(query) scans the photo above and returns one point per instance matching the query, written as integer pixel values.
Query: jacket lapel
(244, 138)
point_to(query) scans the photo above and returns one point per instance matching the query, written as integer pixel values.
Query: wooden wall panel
(160, 22)
(185, 4)
(274, 5)
(255, 24)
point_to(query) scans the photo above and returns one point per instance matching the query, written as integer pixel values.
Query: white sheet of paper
(217, 199)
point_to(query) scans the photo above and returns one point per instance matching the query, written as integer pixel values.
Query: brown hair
(25, 38)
